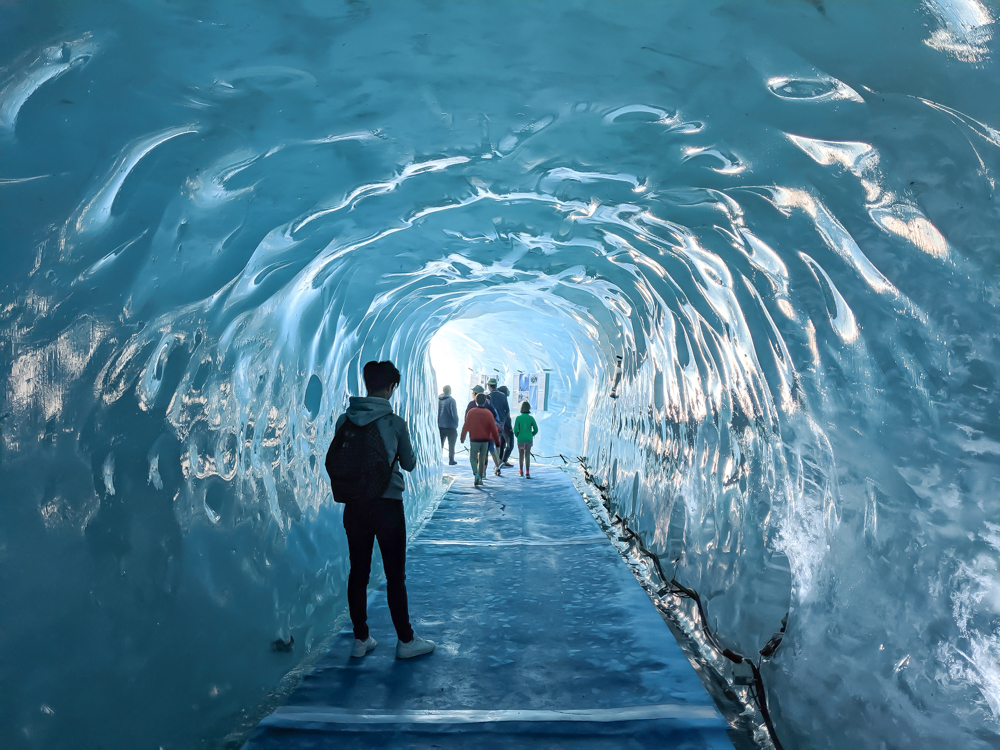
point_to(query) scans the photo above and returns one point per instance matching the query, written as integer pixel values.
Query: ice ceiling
(780, 214)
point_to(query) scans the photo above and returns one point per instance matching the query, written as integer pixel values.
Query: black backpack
(358, 463)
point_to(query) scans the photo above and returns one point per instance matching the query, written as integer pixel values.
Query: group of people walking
(370, 447)
(489, 428)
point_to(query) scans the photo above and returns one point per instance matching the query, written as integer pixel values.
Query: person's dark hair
(525, 407)
(380, 375)
(481, 399)
(504, 390)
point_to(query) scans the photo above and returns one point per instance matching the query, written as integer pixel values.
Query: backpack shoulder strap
(392, 464)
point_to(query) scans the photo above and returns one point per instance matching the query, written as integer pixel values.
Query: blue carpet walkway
(545, 640)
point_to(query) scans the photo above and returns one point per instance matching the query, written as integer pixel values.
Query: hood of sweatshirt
(364, 410)
(442, 397)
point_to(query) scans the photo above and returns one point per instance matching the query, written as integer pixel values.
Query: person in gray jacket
(381, 518)
(448, 422)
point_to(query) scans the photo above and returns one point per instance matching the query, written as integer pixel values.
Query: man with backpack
(369, 447)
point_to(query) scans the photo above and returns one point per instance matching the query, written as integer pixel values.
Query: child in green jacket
(525, 429)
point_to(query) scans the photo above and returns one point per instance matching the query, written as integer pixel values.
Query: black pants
(508, 440)
(364, 522)
(451, 435)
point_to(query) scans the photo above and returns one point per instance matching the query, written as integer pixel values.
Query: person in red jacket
(481, 427)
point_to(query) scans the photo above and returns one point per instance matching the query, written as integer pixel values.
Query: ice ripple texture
(781, 215)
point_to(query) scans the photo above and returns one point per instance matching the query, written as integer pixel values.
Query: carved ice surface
(781, 215)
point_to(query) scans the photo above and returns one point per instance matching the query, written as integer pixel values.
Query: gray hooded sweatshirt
(447, 413)
(365, 410)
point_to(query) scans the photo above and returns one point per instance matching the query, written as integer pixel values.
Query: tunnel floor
(545, 639)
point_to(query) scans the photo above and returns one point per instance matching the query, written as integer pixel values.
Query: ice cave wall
(781, 216)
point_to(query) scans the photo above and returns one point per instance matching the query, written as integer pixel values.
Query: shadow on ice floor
(545, 639)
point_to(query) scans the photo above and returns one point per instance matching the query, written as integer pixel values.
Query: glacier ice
(780, 215)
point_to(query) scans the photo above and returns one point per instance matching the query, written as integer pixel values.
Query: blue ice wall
(781, 215)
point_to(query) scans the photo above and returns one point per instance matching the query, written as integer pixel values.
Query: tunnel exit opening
(559, 349)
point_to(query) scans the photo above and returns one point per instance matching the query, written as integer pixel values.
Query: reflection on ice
(841, 317)
(816, 89)
(893, 215)
(30, 75)
(964, 31)
(95, 212)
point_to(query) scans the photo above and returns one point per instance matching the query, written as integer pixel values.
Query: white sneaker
(416, 647)
(363, 647)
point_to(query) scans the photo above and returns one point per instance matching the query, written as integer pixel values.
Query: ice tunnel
(779, 217)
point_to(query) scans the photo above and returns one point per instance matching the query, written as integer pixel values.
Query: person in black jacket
(448, 422)
(507, 432)
(502, 408)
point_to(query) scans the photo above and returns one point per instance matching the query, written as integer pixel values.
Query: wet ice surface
(780, 214)
(532, 609)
